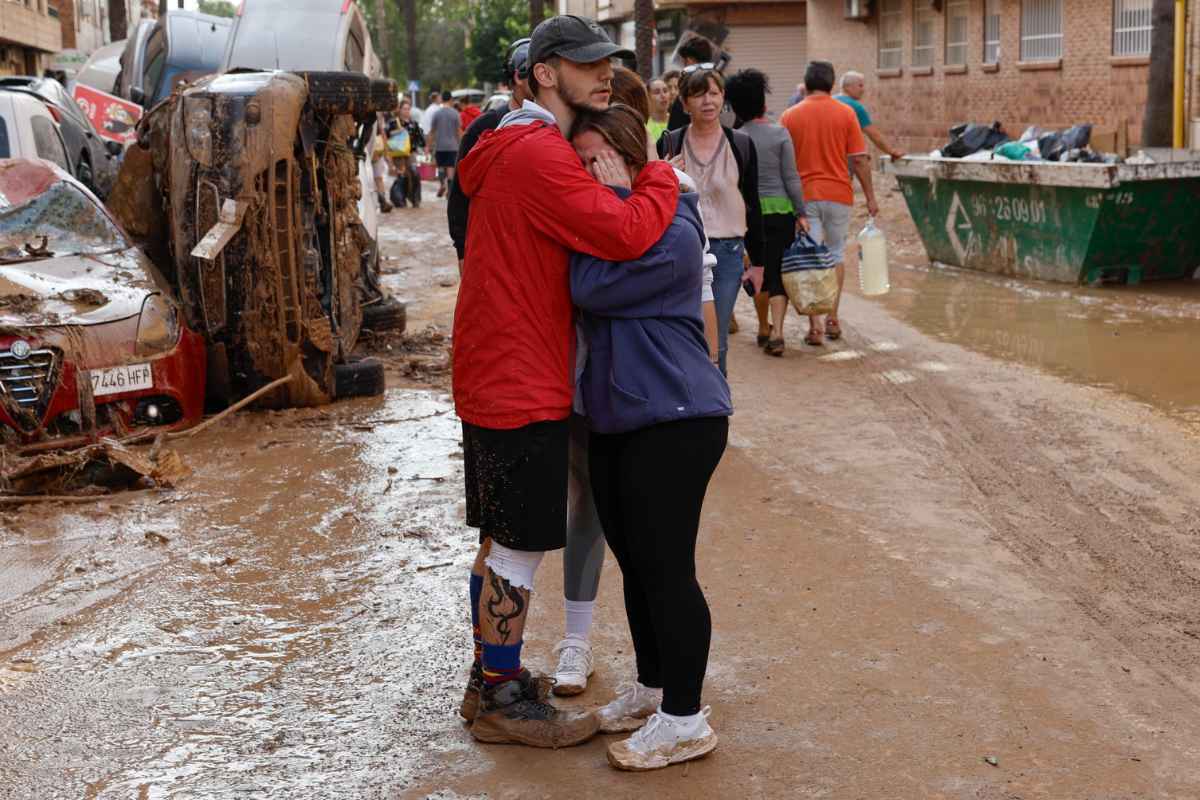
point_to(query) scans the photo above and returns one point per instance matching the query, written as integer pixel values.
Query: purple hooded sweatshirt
(647, 358)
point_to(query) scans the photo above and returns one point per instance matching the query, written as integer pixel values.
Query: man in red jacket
(532, 204)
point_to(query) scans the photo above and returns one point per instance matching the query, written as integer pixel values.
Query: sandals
(814, 338)
(774, 348)
(762, 340)
(833, 331)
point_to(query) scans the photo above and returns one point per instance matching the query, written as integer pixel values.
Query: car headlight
(197, 126)
(158, 327)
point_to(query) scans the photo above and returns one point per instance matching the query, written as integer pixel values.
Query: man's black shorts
(516, 484)
(446, 158)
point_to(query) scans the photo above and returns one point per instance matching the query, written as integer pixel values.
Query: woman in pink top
(724, 165)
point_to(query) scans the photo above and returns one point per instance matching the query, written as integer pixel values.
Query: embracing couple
(566, 214)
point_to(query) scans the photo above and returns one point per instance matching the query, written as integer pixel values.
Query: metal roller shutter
(778, 50)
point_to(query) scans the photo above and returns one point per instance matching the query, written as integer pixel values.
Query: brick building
(1022, 62)
(84, 24)
(88, 25)
(29, 36)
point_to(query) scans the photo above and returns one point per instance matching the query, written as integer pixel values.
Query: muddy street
(954, 555)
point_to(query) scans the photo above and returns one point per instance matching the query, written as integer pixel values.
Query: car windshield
(60, 221)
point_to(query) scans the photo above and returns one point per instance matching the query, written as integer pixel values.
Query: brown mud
(934, 572)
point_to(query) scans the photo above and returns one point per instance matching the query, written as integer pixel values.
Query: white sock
(692, 723)
(579, 617)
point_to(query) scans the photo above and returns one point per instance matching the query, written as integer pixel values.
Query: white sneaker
(630, 709)
(664, 741)
(574, 666)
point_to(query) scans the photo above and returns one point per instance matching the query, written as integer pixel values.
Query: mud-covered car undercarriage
(245, 187)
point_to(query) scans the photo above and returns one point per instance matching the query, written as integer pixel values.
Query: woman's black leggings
(649, 486)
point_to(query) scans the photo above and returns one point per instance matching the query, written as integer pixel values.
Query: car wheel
(349, 93)
(389, 314)
(359, 378)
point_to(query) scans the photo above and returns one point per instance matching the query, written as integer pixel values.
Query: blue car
(178, 47)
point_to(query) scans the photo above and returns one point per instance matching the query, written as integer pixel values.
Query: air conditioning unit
(856, 9)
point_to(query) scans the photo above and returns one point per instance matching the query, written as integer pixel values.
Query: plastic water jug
(872, 260)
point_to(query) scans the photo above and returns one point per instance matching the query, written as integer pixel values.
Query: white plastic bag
(812, 291)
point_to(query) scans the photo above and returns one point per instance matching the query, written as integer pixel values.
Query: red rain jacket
(532, 205)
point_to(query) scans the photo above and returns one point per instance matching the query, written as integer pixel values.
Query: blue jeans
(727, 282)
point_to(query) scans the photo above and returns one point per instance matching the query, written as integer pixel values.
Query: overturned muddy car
(247, 185)
(91, 342)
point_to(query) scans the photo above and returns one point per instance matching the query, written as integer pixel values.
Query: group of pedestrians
(602, 249)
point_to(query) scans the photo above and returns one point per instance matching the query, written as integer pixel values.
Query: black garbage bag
(971, 138)
(1051, 146)
(1077, 137)
(1082, 155)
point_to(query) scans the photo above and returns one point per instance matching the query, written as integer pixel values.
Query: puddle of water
(897, 376)
(281, 643)
(841, 355)
(1139, 340)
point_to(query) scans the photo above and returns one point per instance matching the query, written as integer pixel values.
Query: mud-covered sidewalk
(933, 573)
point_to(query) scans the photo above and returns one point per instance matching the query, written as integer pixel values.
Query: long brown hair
(629, 89)
(621, 126)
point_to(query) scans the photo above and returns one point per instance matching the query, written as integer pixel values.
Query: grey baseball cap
(574, 38)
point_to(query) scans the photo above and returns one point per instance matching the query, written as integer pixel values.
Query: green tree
(495, 25)
(218, 8)
(440, 42)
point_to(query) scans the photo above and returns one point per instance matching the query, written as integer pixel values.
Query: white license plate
(121, 379)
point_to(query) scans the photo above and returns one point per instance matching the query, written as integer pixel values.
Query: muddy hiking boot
(470, 702)
(512, 713)
(469, 708)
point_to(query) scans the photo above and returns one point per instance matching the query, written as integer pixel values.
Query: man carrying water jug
(828, 143)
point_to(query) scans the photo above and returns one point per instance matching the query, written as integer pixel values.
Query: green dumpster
(1072, 223)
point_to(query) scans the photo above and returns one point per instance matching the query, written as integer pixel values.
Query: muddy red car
(91, 341)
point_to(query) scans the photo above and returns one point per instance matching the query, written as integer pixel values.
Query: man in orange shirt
(828, 143)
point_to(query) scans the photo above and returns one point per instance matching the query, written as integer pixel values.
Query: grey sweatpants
(584, 556)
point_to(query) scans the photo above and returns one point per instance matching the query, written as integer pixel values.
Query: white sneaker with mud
(630, 709)
(664, 741)
(575, 666)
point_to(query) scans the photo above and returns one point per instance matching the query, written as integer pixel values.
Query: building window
(956, 32)
(891, 34)
(1131, 27)
(991, 31)
(923, 22)
(1041, 30)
